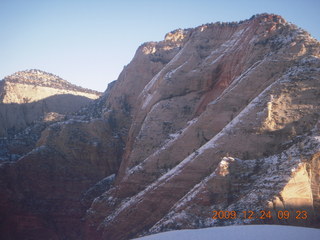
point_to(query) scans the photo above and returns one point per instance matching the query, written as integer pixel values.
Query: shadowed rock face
(220, 117)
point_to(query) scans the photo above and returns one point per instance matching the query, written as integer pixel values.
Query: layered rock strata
(224, 116)
(29, 95)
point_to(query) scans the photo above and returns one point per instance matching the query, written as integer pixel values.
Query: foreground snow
(247, 232)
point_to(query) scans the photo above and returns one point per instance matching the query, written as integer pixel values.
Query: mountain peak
(34, 76)
(38, 77)
(268, 16)
(33, 85)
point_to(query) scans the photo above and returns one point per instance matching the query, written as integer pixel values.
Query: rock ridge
(41, 78)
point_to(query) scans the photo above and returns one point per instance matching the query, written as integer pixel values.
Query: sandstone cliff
(221, 117)
(248, 91)
(28, 95)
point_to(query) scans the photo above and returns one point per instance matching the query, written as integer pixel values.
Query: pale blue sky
(89, 42)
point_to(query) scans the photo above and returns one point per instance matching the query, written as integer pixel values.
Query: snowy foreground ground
(248, 232)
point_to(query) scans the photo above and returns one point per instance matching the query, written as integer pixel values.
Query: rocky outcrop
(28, 95)
(34, 85)
(220, 117)
(244, 90)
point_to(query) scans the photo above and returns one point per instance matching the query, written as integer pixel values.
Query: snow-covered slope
(248, 232)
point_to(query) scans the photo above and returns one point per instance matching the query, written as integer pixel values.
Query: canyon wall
(221, 117)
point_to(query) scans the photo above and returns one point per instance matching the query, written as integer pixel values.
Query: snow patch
(217, 59)
(170, 141)
(147, 100)
(70, 121)
(170, 73)
(247, 232)
(148, 87)
(150, 84)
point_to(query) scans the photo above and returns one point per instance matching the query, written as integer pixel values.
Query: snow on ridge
(69, 121)
(236, 81)
(147, 100)
(286, 39)
(178, 168)
(234, 40)
(217, 59)
(35, 150)
(226, 46)
(290, 72)
(279, 168)
(150, 84)
(189, 196)
(210, 144)
(179, 54)
(238, 33)
(171, 140)
(170, 73)
(139, 196)
(300, 68)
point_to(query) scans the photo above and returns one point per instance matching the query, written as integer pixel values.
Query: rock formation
(28, 95)
(221, 117)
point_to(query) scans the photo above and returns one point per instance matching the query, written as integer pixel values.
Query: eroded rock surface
(29, 95)
(224, 116)
(248, 91)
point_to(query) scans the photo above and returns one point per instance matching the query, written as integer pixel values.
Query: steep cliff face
(220, 117)
(34, 85)
(28, 95)
(247, 90)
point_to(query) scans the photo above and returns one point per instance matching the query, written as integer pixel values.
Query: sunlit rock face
(221, 117)
(29, 95)
(34, 85)
(244, 91)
